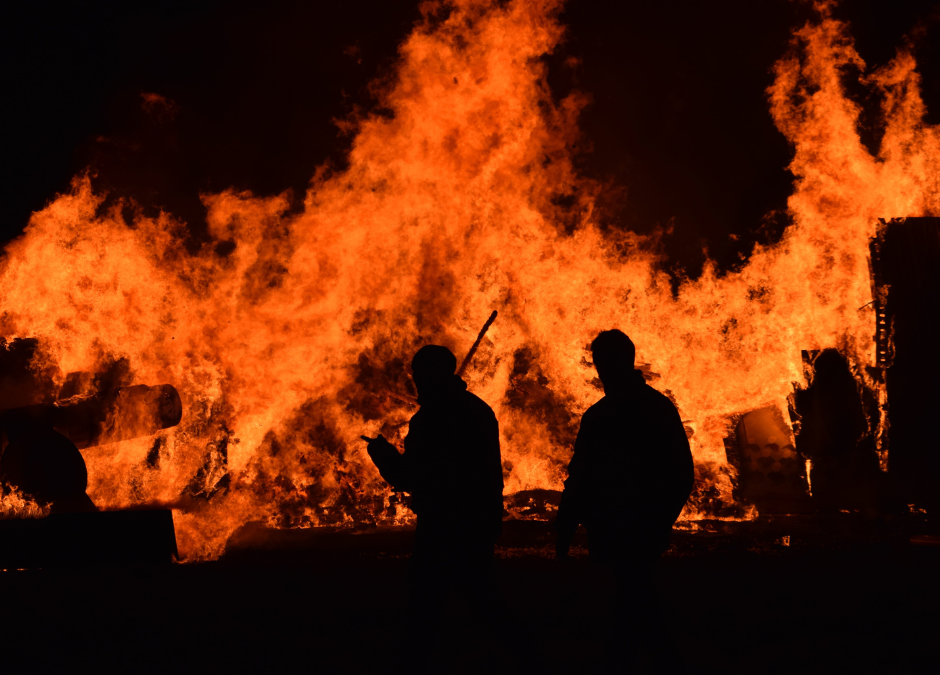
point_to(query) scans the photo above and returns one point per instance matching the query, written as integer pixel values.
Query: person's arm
(571, 508)
(679, 467)
(494, 479)
(394, 467)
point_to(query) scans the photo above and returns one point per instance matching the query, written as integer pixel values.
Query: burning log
(139, 410)
(135, 411)
(30, 399)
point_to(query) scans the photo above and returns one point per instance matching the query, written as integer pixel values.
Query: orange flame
(280, 332)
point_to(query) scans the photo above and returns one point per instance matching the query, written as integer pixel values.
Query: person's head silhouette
(433, 369)
(614, 354)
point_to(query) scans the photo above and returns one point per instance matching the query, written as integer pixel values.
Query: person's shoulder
(477, 404)
(598, 409)
(418, 418)
(598, 406)
(657, 400)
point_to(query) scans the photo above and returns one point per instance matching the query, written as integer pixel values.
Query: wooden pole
(476, 345)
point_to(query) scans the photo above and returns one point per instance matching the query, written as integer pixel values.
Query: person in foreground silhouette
(629, 478)
(452, 469)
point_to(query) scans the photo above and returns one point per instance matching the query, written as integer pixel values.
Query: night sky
(678, 117)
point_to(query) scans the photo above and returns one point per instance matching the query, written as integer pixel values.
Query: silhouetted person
(834, 434)
(629, 478)
(46, 466)
(452, 469)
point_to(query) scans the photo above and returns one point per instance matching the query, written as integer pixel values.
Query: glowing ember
(281, 335)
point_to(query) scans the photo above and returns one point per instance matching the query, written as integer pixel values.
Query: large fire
(282, 334)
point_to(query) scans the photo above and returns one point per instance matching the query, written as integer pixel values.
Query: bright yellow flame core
(447, 211)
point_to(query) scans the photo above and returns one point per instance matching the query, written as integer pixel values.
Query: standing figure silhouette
(629, 478)
(452, 469)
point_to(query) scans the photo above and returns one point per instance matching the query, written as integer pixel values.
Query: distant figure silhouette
(46, 466)
(834, 434)
(629, 478)
(452, 468)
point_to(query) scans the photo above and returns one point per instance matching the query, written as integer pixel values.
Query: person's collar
(626, 387)
(451, 388)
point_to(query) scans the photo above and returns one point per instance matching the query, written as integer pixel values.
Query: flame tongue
(453, 206)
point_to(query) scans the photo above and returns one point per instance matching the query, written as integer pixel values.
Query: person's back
(456, 477)
(452, 469)
(634, 469)
(629, 478)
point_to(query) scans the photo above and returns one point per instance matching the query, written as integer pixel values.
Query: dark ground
(847, 595)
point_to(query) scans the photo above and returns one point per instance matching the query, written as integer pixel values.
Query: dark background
(678, 115)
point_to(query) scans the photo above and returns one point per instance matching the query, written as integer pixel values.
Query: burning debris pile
(282, 333)
(42, 429)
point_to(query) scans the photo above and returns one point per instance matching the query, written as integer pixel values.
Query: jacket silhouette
(629, 478)
(631, 472)
(451, 465)
(452, 469)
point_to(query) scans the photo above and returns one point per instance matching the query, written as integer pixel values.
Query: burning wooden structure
(282, 327)
(906, 270)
